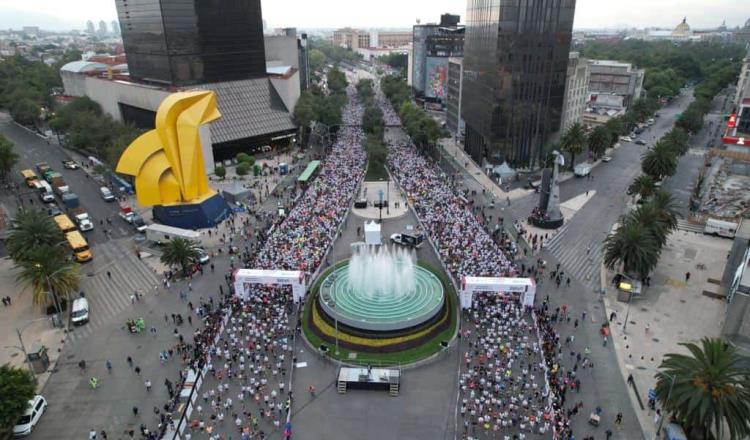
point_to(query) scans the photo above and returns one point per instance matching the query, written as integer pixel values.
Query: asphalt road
(33, 149)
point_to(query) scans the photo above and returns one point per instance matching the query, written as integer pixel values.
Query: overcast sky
(67, 14)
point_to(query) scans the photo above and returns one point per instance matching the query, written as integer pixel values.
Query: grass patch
(375, 172)
(403, 357)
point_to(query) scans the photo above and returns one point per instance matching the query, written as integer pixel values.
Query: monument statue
(168, 166)
(548, 215)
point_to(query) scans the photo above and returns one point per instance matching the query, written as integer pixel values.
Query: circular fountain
(383, 305)
(381, 290)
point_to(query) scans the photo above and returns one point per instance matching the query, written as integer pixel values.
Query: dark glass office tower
(515, 63)
(184, 42)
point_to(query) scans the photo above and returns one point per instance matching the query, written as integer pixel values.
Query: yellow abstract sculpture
(167, 162)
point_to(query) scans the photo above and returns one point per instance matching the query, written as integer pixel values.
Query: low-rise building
(397, 39)
(255, 112)
(351, 38)
(615, 77)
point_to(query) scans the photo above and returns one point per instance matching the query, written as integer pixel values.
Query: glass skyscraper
(185, 42)
(515, 63)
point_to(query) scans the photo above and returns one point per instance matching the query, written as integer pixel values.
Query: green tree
(573, 142)
(17, 387)
(691, 120)
(336, 80)
(181, 253)
(372, 121)
(633, 247)
(47, 269)
(242, 168)
(666, 207)
(643, 185)
(8, 157)
(659, 162)
(316, 59)
(365, 89)
(245, 158)
(220, 172)
(25, 111)
(647, 216)
(599, 140)
(30, 229)
(677, 140)
(707, 390)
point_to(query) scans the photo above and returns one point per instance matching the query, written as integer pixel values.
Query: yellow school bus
(79, 246)
(30, 177)
(64, 223)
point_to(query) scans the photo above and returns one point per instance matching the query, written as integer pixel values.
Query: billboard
(436, 78)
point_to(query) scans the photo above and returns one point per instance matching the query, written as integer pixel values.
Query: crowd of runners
(512, 383)
(247, 389)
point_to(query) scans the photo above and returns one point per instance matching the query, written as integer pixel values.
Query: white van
(80, 313)
(720, 228)
(161, 234)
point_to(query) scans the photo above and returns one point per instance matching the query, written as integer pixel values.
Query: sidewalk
(471, 167)
(34, 325)
(668, 312)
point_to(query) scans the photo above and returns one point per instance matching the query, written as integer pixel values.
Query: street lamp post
(19, 332)
(666, 401)
(388, 196)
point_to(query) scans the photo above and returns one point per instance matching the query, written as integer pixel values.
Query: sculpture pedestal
(546, 223)
(205, 214)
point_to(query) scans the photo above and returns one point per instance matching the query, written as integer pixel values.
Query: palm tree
(647, 216)
(599, 140)
(666, 207)
(29, 229)
(46, 269)
(633, 247)
(180, 252)
(659, 162)
(643, 185)
(707, 390)
(573, 142)
(677, 140)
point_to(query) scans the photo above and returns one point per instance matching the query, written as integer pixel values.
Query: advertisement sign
(436, 77)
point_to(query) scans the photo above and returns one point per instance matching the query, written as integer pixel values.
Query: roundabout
(380, 326)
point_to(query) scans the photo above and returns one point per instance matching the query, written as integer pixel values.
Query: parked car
(606, 158)
(70, 164)
(640, 142)
(53, 209)
(626, 139)
(31, 417)
(106, 194)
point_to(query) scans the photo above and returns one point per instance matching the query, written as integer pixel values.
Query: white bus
(161, 234)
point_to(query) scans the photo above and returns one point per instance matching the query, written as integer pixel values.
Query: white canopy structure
(243, 278)
(372, 233)
(526, 287)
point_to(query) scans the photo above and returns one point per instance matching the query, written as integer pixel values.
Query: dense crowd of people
(248, 366)
(510, 379)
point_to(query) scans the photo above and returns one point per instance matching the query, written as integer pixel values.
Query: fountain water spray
(382, 271)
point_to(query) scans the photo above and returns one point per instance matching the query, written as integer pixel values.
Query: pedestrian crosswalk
(580, 261)
(108, 286)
